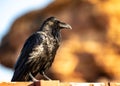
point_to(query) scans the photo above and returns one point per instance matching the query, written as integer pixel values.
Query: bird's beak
(64, 25)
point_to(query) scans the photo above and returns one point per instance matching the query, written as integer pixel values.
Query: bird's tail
(21, 76)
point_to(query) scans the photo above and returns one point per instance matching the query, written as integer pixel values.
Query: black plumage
(39, 50)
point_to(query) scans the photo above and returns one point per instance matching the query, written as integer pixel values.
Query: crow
(39, 50)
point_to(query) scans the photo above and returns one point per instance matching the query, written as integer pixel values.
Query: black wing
(21, 69)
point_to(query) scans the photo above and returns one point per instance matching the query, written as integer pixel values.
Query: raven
(39, 50)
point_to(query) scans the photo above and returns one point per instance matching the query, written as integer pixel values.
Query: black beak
(64, 25)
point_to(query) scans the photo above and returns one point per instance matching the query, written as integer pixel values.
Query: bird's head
(53, 23)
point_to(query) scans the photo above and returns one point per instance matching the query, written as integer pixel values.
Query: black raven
(39, 50)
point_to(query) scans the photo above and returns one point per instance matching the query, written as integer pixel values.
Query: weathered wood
(55, 83)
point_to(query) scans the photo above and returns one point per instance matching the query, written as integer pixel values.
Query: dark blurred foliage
(89, 52)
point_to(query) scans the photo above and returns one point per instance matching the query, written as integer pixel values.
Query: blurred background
(90, 52)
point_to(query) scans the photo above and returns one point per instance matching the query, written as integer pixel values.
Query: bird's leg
(43, 73)
(32, 77)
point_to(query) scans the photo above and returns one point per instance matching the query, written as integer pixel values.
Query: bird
(39, 50)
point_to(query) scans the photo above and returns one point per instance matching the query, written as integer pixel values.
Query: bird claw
(46, 76)
(33, 78)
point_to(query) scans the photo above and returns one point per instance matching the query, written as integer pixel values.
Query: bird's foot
(33, 78)
(46, 76)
